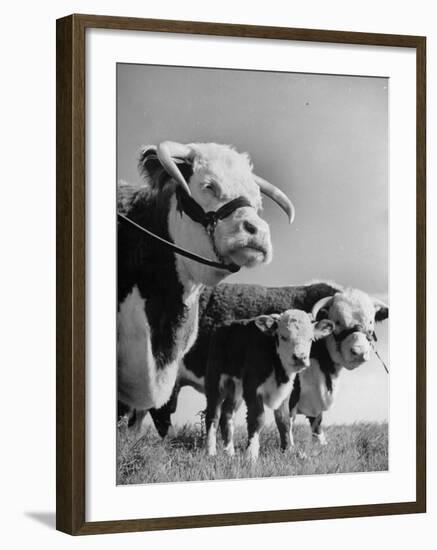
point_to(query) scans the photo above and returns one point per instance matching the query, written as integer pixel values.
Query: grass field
(360, 447)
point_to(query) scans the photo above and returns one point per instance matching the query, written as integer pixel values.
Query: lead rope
(379, 357)
(191, 255)
(373, 344)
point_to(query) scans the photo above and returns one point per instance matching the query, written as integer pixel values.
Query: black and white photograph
(218, 279)
(252, 274)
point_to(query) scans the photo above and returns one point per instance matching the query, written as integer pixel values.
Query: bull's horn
(167, 152)
(323, 302)
(276, 195)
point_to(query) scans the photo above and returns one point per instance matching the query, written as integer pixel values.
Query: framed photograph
(240, 274)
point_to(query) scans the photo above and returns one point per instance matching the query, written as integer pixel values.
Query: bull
(204, 196)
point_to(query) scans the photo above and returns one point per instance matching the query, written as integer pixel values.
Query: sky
(322, 139)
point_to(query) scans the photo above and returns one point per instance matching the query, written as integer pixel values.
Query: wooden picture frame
(71, 253)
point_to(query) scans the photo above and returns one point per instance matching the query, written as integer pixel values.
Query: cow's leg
(123, 410)
(255, 423)
(284, 424)
(162, 417)
(227, 424)
(212, 416)
(212, 421)
(293, 413)
(316, 428)
(135, 422)
(134, 418)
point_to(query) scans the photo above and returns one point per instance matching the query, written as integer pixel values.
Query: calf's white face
(294, 333)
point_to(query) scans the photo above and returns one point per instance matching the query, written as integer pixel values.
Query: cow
(228, 302)
(256, 361)
(202, 196)
(354, 314)
(223, 304)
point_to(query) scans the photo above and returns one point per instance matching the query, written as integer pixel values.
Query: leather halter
(369, 334)
(208, 220)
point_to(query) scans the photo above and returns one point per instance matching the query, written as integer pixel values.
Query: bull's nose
(358, 354)
(250, 227)
(301, 360)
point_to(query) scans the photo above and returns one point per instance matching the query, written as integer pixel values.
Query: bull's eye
(211, 188)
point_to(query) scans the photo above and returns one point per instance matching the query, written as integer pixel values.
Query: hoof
(320, 439)
(171, 433)
(301, 455)
(211, 451)
(230, 451)
(251, 457)
(288, 448)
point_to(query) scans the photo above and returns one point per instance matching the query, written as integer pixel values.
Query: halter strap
(208, 219)
(370, 335)
(233, 268)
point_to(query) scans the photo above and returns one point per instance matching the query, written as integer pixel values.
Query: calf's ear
(381, 310)
(266, 323)
(323, 328)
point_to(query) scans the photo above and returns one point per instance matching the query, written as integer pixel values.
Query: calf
(353, 314)
(255, 360)
(222, 305)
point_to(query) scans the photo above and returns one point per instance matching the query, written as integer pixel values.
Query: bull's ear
(148, 163)
(152, 170)
(381, 310)
(323, 328)
(266, 323)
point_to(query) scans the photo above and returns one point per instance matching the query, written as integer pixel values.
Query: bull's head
(212, 176)
(294, 333)
(354, 314)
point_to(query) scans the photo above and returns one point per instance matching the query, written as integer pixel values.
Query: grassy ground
(361, 447)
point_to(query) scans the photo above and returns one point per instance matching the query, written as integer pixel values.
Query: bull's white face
(294, 333)
(350, 309)
(220, 174)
